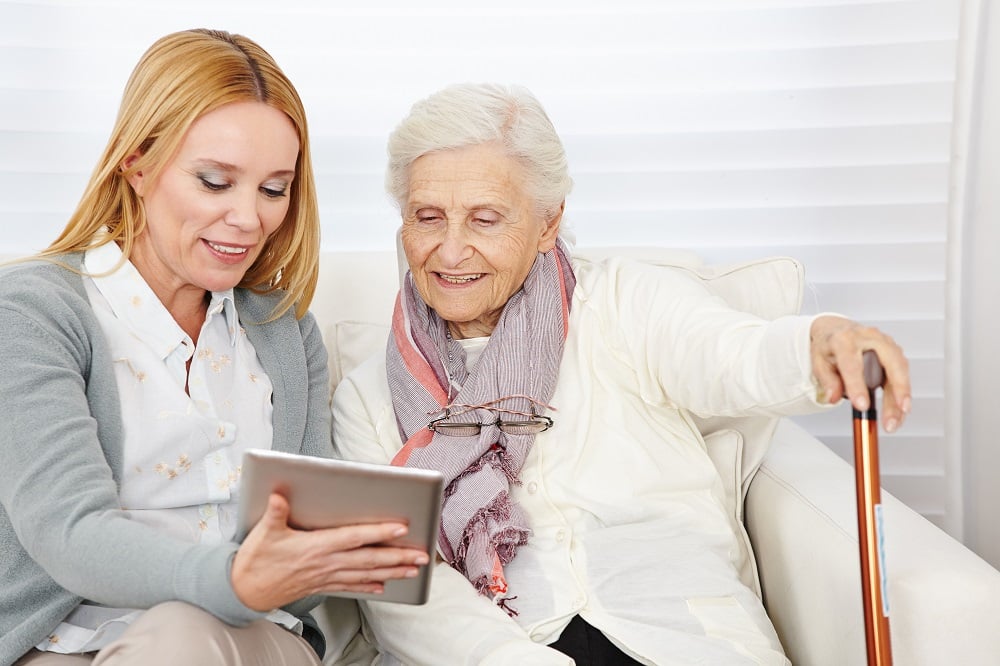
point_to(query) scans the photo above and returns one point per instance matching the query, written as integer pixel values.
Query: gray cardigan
(63, 537)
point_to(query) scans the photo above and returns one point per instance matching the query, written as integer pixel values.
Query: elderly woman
(597, 531)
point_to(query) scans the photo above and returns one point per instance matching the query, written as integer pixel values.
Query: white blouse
(183, 450)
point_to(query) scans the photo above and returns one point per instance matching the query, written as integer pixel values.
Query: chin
(220, 283)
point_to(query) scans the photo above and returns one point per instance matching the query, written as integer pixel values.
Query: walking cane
(870, 536)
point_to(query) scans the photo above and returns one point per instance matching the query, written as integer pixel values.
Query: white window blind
(819, 129)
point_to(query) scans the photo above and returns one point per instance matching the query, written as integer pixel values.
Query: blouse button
(560, 535)
(532, 488)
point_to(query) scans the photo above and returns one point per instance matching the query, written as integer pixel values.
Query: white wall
(824, 129)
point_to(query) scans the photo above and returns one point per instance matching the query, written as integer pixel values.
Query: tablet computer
(331, 493)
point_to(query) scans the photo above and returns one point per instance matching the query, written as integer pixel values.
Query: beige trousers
(176, 633)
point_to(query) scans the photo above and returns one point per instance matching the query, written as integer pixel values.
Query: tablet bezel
(324, 492)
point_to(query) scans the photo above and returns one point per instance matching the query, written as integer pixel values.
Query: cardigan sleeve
(692, 350)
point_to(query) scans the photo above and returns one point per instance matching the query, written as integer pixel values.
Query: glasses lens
(536, 425)
(456, 429)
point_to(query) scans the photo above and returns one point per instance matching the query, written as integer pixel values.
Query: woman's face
(471, 234)
(217, 201)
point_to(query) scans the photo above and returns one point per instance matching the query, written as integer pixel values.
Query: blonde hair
(181, 77)
(473, 113)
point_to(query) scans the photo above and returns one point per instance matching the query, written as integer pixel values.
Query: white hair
(474, 113)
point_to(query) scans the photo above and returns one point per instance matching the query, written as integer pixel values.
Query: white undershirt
(182, 453)
(473, 350)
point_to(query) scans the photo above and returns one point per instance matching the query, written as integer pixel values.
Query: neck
(463, 330)
(189, 312)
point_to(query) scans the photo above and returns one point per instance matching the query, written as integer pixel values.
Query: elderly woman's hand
(277, 564)
(837, 346)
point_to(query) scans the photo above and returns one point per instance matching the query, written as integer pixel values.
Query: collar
(133, 301)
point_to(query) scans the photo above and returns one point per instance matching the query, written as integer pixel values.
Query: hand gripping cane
(870, 537)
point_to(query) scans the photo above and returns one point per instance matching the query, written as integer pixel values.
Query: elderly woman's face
(471, 234)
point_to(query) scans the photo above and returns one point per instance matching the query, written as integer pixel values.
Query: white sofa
(798, 506)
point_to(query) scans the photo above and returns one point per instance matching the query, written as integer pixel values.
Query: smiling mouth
(227, 249)
(460, 279)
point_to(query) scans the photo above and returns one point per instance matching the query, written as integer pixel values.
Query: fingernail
(861, 403)
(891, 425)
(411, 573)
(421, 560)
(906, 405)
(400, 531)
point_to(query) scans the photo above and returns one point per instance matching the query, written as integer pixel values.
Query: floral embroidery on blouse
(183, 465)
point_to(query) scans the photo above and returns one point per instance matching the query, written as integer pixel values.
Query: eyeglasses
(518, 423)
(531, 425)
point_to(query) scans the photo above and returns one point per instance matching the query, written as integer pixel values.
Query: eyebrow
(226, 166)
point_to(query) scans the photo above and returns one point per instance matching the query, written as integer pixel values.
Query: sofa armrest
(800, 512)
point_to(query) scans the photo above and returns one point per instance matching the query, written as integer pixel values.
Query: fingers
(356, 536)
(836, 359)
(838, 346)
(364, 569)
(377, 557)
(356, 553)
(896, 397)
(368, 580)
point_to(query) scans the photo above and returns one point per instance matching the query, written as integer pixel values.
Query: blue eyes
(270, 192)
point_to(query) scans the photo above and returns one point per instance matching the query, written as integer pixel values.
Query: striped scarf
(481, 527)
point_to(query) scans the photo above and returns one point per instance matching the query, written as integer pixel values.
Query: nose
(455, 246)
(243, 212)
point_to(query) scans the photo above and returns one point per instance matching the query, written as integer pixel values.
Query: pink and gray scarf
(481, 527)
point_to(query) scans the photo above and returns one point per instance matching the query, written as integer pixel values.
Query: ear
(135, 179)
(547, 240)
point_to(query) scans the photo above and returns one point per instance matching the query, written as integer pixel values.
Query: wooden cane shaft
(869, 496)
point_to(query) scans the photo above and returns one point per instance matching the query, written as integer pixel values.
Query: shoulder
(44, 307)
(51, 274)
(45, 290)
(367, 383)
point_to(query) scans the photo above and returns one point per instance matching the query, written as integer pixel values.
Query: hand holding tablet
(314, 525)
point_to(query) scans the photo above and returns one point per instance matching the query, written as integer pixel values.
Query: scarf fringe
(504, 543)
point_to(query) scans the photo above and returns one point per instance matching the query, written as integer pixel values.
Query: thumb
(276, 514)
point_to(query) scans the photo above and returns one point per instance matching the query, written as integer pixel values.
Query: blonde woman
(161, 335)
